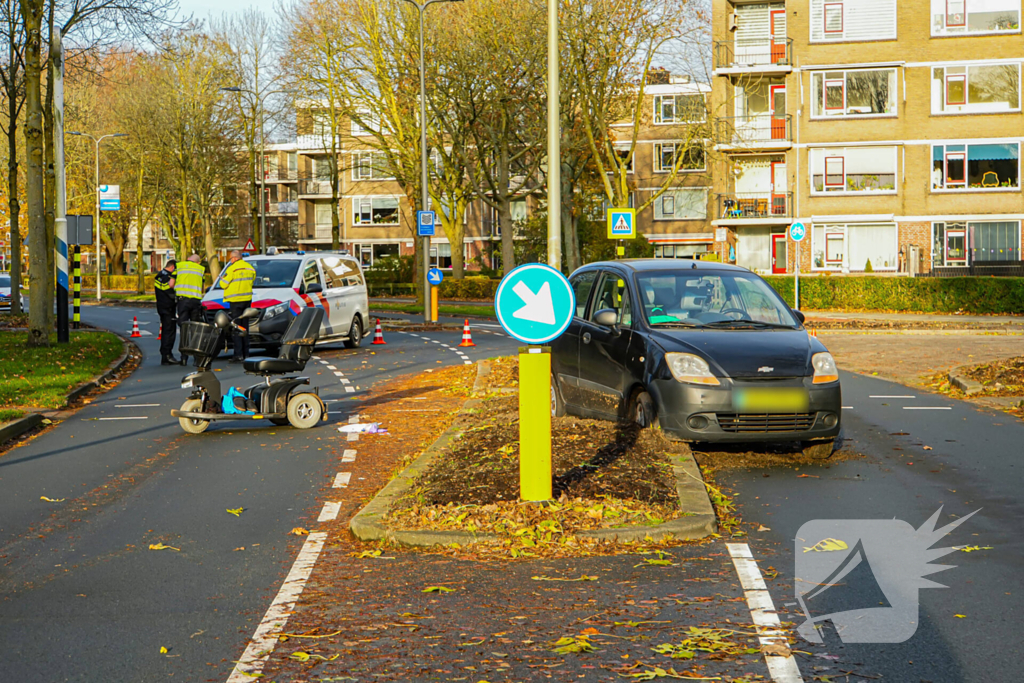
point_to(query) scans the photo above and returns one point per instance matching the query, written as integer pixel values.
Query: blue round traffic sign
(535, 303)
(434, 276)
(797, 231)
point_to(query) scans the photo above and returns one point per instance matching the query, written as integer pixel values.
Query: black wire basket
(200, 340)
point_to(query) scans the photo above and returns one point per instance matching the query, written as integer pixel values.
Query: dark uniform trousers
(189, 310)
(168, 329)
(241, 341)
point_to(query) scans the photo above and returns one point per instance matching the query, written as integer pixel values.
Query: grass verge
(40, 377)
(452, 310)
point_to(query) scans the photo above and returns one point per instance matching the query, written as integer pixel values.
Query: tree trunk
(508, 258)
(254, 203)
(49, 188)
(570, 240)
(14, 206)
(335, 183)
(39, 333)
(140, 280)
(210, 247)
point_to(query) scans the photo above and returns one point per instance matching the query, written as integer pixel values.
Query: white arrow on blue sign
(434, 276)
(797, 231)
(535, 303)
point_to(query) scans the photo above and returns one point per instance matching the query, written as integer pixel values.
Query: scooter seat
(268, 365)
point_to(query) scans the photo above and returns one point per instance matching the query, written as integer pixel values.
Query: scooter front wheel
(193, 405)
(304, 410)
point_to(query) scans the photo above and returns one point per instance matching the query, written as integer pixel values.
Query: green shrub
(474, 287)
(1003, 295)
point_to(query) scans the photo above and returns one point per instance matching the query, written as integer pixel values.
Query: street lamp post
(263, 160)
(554, 144)
(99, 245)
(424, 187)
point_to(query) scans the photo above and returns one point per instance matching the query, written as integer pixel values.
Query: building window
(989, 88)
(865, 170)
(681, 205)
(365, 122)
(678, 109)
(370, 165)
(957, 17)
(624, 156)
(851, 246)
(867, 92)
(976, 167)
(833, 17)
(835, 20)
(666, 156)
(962, 243)
(688, 251)
(375, 211)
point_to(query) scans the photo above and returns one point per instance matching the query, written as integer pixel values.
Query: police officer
(237, 282)
(189, 287)
(165, 308)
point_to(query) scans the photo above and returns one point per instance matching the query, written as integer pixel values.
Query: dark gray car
(707, 351)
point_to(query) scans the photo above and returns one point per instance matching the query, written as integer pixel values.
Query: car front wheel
(819, 450)
(642, 411)
(557, 406)
(355, 334)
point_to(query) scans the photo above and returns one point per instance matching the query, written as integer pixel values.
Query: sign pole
(60, 220)
(797, 232)
(77, 320)
(534, 423)
(433, 303)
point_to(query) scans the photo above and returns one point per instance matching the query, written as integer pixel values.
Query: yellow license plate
(770, 400)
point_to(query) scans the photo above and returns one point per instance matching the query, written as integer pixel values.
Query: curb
(964, 383)
(699, 520)
(18, 427)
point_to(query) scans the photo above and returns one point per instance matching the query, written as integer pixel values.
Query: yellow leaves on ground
(570, 644)
(584, 577)
(960, 616)
(285, 636)
(712, 641)
(237, 512)
(161, 546)
(438, 589)
(658, 561)
(299, 531)
(163, 650)
(367, 554)
(827, 545)
(305, 657)
(52, 500)
(971, 548)
(658, 672)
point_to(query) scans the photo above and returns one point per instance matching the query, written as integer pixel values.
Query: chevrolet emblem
(765, 368)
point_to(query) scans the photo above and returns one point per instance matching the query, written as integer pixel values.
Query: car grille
(765, 422)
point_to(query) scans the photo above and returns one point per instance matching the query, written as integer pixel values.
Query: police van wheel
(191, 426)
(355, 334)
(304, 411)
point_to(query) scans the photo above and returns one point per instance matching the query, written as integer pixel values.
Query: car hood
(744, 353)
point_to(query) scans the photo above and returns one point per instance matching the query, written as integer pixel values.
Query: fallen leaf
(960, 616)
(237, 549)
(163, 650)
(52, 500)
(299, 531)
(927, 448)
(236, 512)
(971, 548)
(47, 421)
(807, 476)
(438, 589)
(827, 545)
(763, 528)
(161, 546)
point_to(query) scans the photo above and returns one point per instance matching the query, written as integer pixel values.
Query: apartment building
(891, 128)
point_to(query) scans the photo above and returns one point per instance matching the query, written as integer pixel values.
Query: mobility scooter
(282, 400)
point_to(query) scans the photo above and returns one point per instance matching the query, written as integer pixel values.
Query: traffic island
(998, 384)
(612, 484)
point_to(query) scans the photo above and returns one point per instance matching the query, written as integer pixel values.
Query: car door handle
(586, 337)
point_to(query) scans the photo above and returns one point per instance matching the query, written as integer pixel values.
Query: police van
(287, 283)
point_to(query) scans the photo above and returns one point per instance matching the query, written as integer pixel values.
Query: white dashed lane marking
(448, 347)
(342, 479)
(874, 396)
(330, 512)
(348, 456)
(763, 614)
(927, 408)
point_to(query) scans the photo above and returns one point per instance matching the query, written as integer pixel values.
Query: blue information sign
(434, 276)
(425, 223)
(535, 303)
(797, 231)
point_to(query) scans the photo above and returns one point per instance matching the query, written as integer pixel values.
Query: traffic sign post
(434, 277)
(425, 224)
(797, 232)
(110, 197)
(535, 304)
(249, 246)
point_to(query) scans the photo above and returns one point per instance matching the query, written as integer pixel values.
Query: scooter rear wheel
(304, 410)
(189, 425)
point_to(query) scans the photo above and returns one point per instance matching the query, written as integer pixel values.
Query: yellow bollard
(535, 423)
(433, 304)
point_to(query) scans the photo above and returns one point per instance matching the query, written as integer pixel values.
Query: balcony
(281, 175)
(315, 143)
(319, 188)
(283, 208)
(754, 207)
(753, 55)
(315, 233)
(761, 132)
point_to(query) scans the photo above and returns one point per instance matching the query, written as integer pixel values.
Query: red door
(779, 193)
(778, 36)
(779, 249)
(777, 109)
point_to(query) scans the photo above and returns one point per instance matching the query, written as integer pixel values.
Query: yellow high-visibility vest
(237, 282)
(189, 280)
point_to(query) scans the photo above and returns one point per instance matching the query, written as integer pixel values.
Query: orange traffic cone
(135, 327)
(467, 338)
(160, 333)
(378, 334)
(812, 332)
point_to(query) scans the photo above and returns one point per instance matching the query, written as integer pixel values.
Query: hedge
(467, 289)
(1004, 295)
(115, 283)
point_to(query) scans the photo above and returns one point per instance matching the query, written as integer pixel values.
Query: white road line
(352, 419)
(763, 614)
(847, 407)
(331, 367)
(265, 638)
(341, 480)
(434, 341)
(330, 512)
(348, 456)
(345, 381)
(136, 405)
(349, 389)
(874, 396)
(338, 374)
(927, 408)
(133, 417)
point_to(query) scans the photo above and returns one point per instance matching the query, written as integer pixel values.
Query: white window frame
(840, 112)
(671, 194)
(966, 107)
(359, 203)
(942, 29)
(659, 119)
(656, 159)
(358, 165)
(818, 34)
(824, 18)
(632, 159)
(833, 235)
(822, 234)
(359, 131)
(833, 152)
(965, 187)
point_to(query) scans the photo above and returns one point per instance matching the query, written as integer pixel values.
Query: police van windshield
(271, 273)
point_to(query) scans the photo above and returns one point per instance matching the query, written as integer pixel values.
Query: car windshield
(271, 273)
(722, 299)
(5, 280)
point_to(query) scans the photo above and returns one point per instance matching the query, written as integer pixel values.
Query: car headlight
(276, 309)
(686, 367)
(824, 368)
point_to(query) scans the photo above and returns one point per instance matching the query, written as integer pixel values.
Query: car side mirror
(313, 288)
(799, 316)
(250, 313)
(607, 317)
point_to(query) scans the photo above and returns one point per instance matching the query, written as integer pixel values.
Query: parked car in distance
(707, 351)
(287, 283)
(5, 294)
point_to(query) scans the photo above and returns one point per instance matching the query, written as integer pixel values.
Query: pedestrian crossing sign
(621, 224)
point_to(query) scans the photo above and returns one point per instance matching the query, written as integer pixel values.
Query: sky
(204, 9)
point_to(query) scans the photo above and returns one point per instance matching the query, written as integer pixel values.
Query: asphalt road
(83, 598)
(916, 453)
